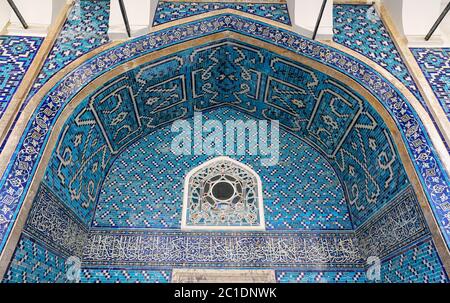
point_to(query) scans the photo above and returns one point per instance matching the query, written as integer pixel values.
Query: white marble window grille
(222, 194)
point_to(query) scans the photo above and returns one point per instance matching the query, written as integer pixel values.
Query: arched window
(223, 194)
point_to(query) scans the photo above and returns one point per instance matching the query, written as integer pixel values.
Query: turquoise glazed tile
(144, 185)
(359, 28)
(290, 276)
(16, 55)
(418, 264)
(170, 11)
(435, 65)
(33, 263)
(85, 29)
(113, 275)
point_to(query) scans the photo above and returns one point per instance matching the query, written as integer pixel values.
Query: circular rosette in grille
(223, 193)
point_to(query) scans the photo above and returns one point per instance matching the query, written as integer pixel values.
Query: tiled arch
(26, 159)
(263, 101)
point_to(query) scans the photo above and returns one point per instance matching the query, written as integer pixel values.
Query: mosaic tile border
(125, 275)
(435, 65)
(168, 11)
(17, 178)
(373, 21)
(52, 224)
(16, 55)
(85, 29)
(55, 225)
(67, 49)
(225, 250)
(396, 225)
(376, 43)
(295, 276)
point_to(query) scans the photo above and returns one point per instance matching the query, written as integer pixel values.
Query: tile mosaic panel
(332, 118)
(84, 148)
(86, 28)
(170, 11)
(16, 55)
(418, 264)
(33, 263)
(191, 249)
(359, 28)
(55, 225)
(147, 249)
(28, 152)
(290, 276)
(145, 184)
(435, 65)
(435, 269)
(125, 275)
(396, 225)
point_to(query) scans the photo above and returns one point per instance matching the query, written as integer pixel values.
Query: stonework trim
(182, 275)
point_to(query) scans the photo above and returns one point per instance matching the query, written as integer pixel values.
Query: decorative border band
(20, 171)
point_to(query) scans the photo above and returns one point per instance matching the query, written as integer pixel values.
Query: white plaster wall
(35, 12)
(419, 16)
(4, 14)
(414, 18)
(445, 25)
(140, 17)
(304, 14)
(395, 9)
(38, 14)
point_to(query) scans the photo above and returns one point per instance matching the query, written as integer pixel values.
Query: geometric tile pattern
(397, 225)
(170, 11)
(16, 55)
(419, 264)
(400, 225)
(320, 276)
(359, 28)
(29, 149)
(111, 275)
(55, 225)
(327, 115)
(32, 263)
(171, 249)
(435, 65)
(145, 184)
(86, 28)
(69, 182)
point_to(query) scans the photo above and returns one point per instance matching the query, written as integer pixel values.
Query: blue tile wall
(167, 11)
(419, 264)
(359, 28)
(29, 150)
(33, 263)
(290, 276)
(86, 28)
(55, 225)
(435, 65)
(331, 118)
(162, 248)
(144, 186)
(126, 275)
(80, 181)
(16, 55)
